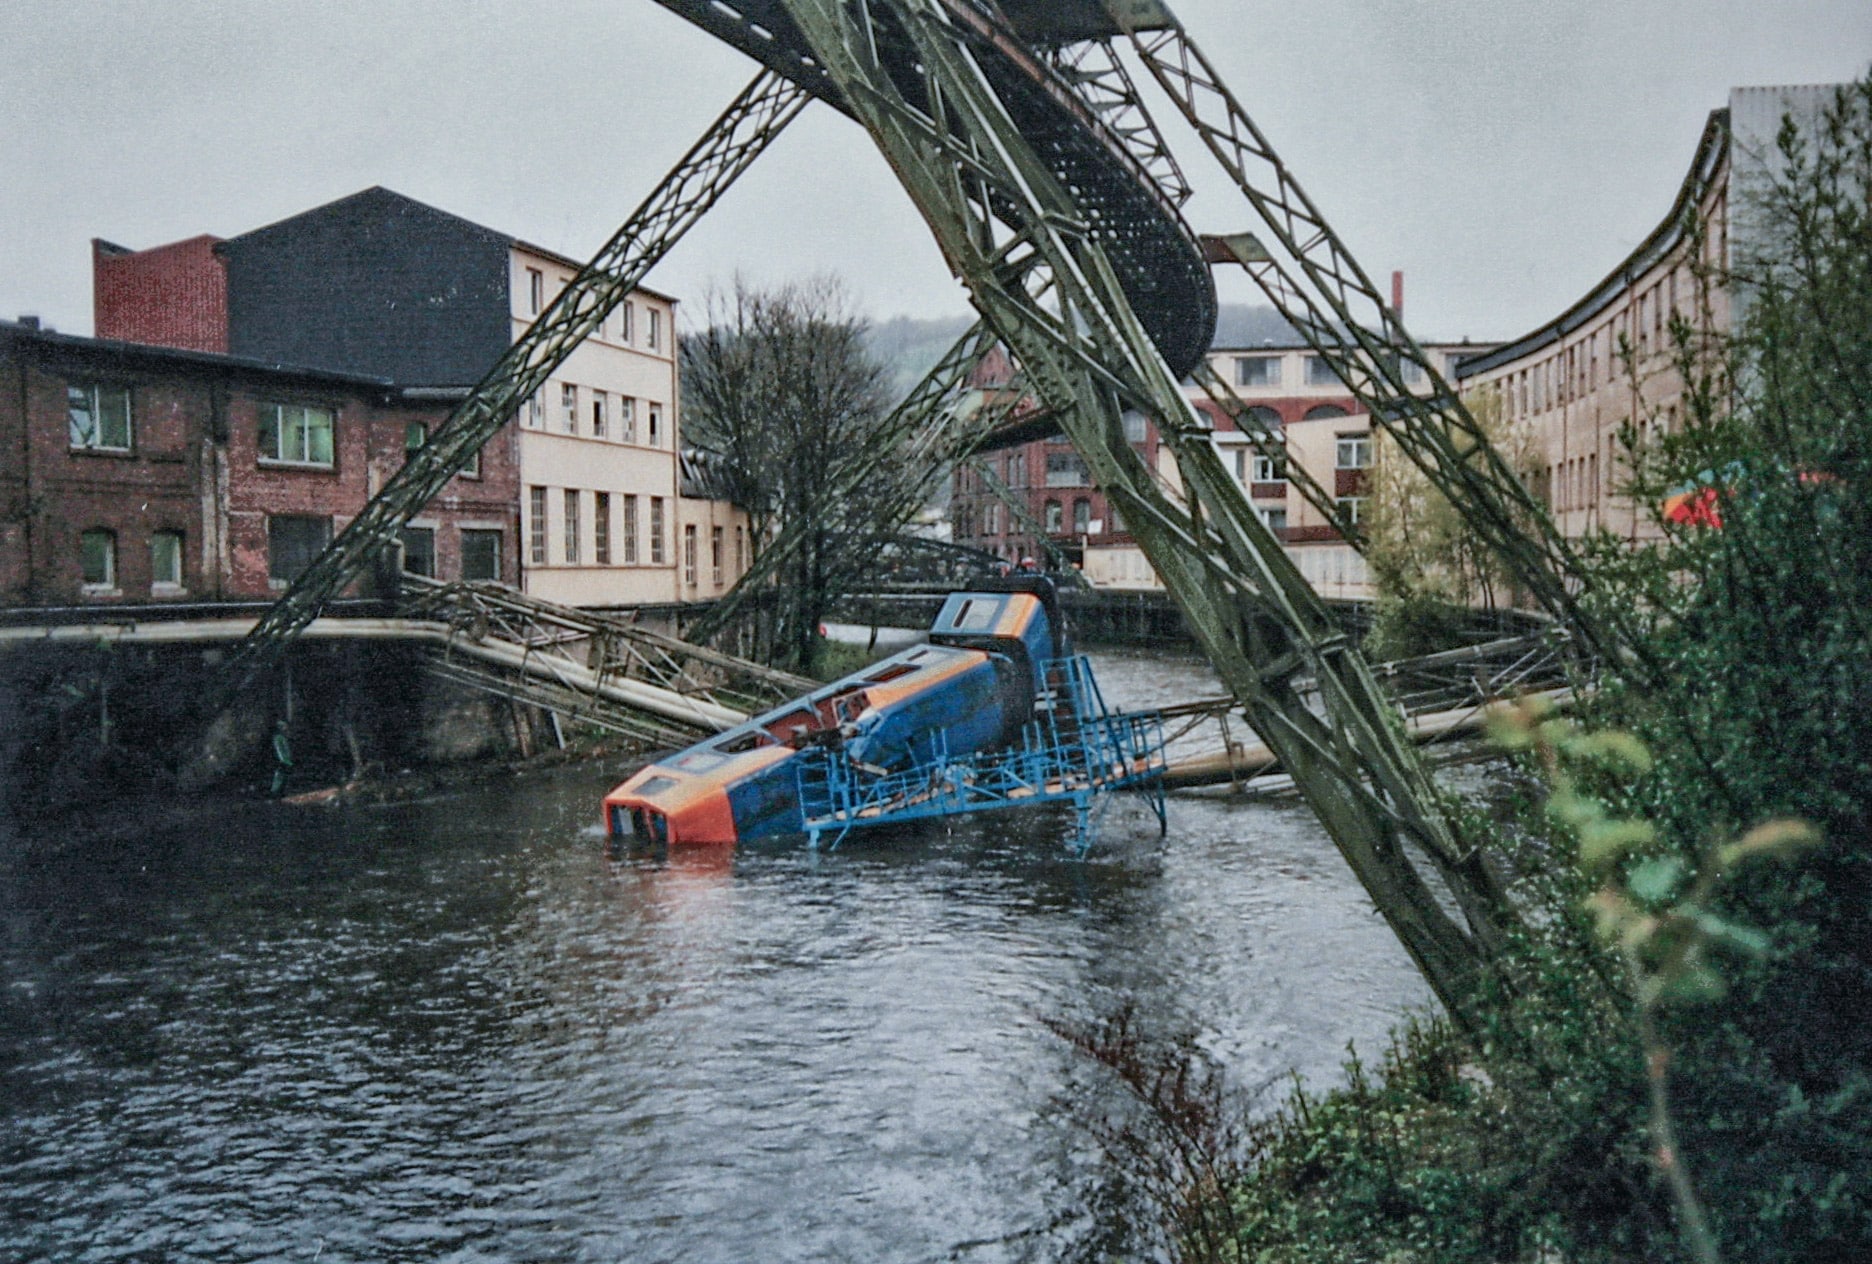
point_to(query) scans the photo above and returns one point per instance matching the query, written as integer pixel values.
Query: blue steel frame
(1073, 751)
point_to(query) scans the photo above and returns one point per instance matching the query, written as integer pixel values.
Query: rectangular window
(166, 560)
(715, 551)
(536, 525)
(1257, 370)
(571, 525)
(536, 291)
(655, 424)
(627, 419)
(419, 551)
(630, 530)
(481, 553)
(568, 407)
(689, 555)
(1353, 452)
(1273, 519)
(601, 528)
(471, 468)
(1268, 470)
(97, 560)
(601, 414)
(627, 319)
(292, 543)
(1065, 469)
(1320, 373)
(658, 556)
(1351, 509)
(99, 417)
(1136, 428)
(296, 433)
(740, 551)
(653, 331)
(415, 434)
(536, 409)
(1241, 465)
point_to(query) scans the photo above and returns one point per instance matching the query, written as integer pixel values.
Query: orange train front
(971, 688)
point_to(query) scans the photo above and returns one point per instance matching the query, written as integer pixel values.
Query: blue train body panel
(972, 688)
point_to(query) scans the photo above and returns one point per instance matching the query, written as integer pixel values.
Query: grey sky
(1505, 155)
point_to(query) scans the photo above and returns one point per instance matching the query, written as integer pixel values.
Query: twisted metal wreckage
(1019, 132)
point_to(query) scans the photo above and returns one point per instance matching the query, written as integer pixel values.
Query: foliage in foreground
(1539, 1140)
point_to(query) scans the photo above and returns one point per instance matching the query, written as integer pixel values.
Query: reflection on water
(458, 1031)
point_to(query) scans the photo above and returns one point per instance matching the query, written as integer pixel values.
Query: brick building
(386, 287)
(1038, 500)
(153, 474)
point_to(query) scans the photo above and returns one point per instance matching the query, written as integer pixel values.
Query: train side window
(976, 614)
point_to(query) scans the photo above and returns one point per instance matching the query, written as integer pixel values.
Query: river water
(456, 1030)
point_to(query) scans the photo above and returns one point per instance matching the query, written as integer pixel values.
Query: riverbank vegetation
(1672, 1060)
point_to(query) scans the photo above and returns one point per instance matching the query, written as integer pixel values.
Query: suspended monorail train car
(971, 688)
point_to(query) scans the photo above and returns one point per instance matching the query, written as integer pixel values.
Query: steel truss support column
(1316, 284)
(741, 134)
(1041, 279)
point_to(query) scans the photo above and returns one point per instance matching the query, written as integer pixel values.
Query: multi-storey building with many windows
(381, 285)
(141, 473)
(1602, 378)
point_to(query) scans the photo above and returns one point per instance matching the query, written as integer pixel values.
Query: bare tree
(781, 387)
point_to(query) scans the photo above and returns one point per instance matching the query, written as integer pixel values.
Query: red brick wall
(368, 448)
(194, 468)
(131, 494)
(167, 296)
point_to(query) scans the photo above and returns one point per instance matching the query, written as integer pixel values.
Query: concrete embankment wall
(86, 725)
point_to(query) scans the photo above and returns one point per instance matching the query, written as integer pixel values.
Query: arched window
(97, 552)
(1265, 417)
(1322, 412)
(1082, 515)
(1055, 516)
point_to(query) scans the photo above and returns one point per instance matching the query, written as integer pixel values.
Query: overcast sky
(1505, 155)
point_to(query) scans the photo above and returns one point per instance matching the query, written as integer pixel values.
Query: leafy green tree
(1427, 563)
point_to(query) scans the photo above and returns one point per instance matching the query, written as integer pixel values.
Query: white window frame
(93, 395)
(1352, 452)
(1270, 364)
(157, 582)
(283, 428)
(108, 584)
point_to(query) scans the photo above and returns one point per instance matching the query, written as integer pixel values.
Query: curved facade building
(1604, 373)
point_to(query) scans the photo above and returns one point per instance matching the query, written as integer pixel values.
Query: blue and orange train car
(972, 687)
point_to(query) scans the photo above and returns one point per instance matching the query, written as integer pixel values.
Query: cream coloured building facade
(604, 515)
(1291, 392)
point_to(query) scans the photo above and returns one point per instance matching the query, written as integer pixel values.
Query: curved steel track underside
(1158, 258)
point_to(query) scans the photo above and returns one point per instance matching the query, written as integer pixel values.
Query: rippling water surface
(455, 1030)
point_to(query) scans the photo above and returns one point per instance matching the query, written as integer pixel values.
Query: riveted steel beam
(1043, 278)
